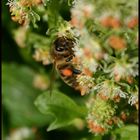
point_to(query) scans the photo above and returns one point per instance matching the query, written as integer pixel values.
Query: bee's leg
(76, 71)
(69, 58)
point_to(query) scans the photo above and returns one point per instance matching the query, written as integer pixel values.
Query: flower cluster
(20, 36)
(81, 11)
(21, 133)
(41, 82)
(86, 83)
(104, 53)
(21, 11)
(133, 99)
(122, 69)
(43, 56)
(109, 90)
(102, 115)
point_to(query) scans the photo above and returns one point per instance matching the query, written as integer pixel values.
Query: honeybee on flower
(64, 53)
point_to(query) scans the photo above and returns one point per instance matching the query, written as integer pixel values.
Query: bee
(62, 53)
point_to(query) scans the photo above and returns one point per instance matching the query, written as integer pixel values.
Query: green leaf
(63, 109)
(128, 132)
(18, 96)
(34, 18)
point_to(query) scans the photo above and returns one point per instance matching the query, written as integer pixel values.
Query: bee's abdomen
(69, 74)
(71, 81)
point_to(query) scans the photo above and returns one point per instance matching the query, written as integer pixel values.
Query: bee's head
(62, 48)
(60, 44)
(63, 44)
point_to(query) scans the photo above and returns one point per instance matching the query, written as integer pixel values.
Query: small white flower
(43, 56)
(119, 92)
(91, 64)
(11, 3)
(108, 88)
(133, 99)
(123, 69)
(78, 51)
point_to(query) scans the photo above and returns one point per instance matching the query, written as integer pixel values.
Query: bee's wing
(52, 78)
